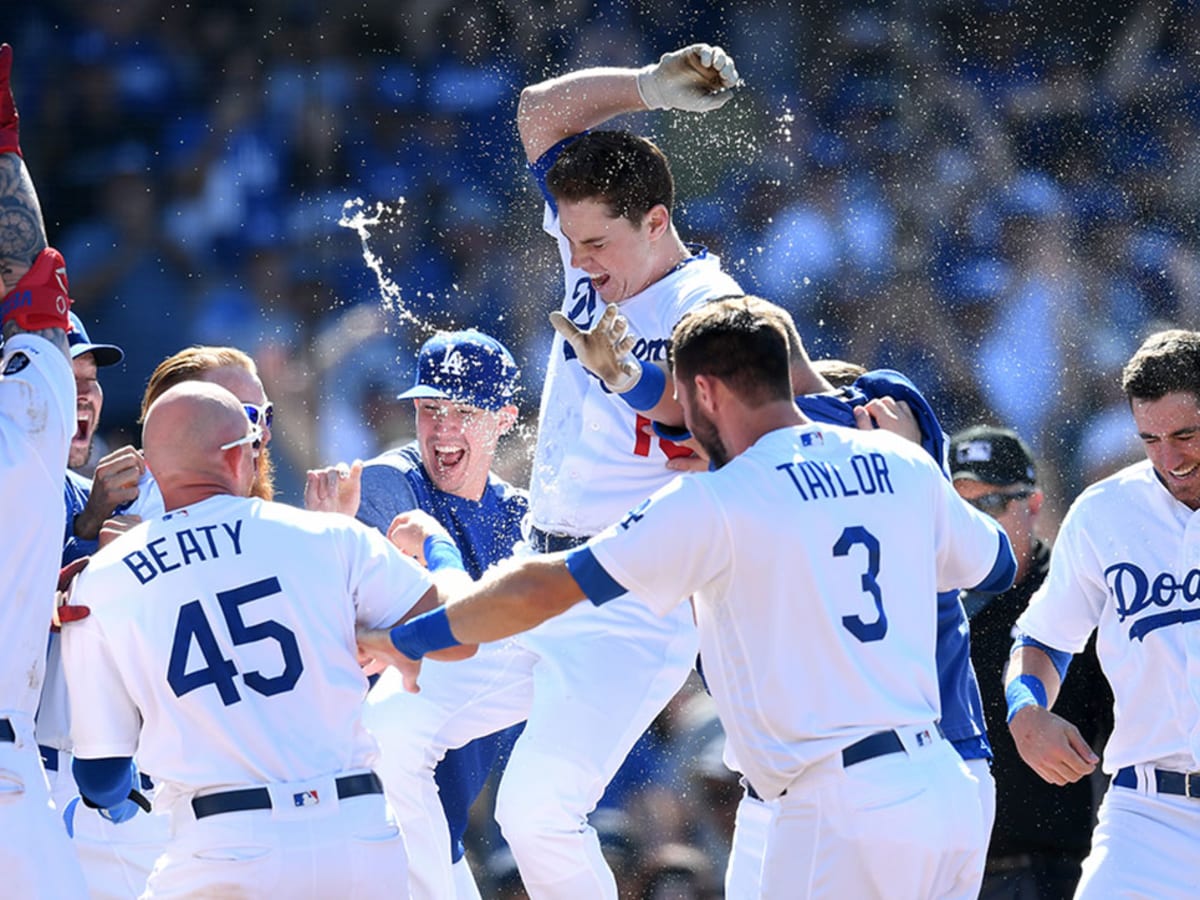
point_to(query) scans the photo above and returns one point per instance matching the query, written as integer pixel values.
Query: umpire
(1042, 831)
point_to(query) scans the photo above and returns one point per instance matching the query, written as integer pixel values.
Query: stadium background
(998, 198)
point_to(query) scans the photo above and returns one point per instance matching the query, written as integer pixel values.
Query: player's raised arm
(696, 78)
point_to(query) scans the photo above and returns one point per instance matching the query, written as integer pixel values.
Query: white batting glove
(697, 79)
(605, 350)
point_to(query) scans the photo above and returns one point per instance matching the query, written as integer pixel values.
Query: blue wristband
(649, 388)
(1022, 691)
(441, 553)
(424, 634)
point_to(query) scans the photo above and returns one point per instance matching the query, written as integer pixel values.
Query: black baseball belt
(260, 798)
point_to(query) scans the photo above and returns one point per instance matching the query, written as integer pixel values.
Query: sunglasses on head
(261, 415)
(997, 502)
(254, 437)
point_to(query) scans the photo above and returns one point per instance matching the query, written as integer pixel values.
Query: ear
(507, 418)
(1036, 499)
(657, 222)
(708, 390)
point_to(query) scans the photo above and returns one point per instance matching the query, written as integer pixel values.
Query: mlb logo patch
(306, 798)
(974, 451)
(924, 738)
(16, 363)
(812, 439)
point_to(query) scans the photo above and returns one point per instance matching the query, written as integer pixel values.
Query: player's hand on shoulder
(888, 414)
(335, 488)
(116, 526)
(64, 610)
(696, 78)
(1051, 746)
(115, 482)
(605, 349)
(409, 530)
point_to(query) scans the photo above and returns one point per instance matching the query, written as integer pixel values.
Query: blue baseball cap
(465, 366)
(104, 354)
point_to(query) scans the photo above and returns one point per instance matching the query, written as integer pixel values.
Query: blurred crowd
(996, 198)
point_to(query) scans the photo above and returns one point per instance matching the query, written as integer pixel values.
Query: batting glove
(605, 350)
(64, 610)
(39, 300)
(697, 79)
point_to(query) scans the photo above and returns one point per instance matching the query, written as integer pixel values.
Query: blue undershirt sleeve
(1060, 658)
(106, 781)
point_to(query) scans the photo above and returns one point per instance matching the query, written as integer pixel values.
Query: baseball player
(221, 646)
(836, 535)
(868, 400)
(592, 681)
(463, 398)
(233, 370)
(115, 862)
(37, 404)
(1127, 566)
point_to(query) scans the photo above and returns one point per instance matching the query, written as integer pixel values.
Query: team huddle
(209, 693)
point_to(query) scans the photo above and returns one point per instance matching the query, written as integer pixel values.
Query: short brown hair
(626, 172)
(190, 364)
(1167, 361)
(739, 340)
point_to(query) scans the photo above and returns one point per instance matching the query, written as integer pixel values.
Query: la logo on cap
(453, 364)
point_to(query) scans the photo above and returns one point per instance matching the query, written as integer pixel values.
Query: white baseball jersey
(228, 628)
(813, 559)
(592, 462)
(37, 420)
(149, 502)
(1127, 563)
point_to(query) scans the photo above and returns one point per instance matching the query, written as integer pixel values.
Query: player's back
(231, 624)
(839, 541)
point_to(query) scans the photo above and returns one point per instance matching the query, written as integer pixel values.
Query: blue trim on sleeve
(592, 577)
(1004, 570)
(545, 162)
(106, 781)
(442, 553)
(424, 634)
(649, 389)
(1060, 658)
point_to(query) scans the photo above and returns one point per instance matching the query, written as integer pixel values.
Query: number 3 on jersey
(853, 536)
(218, 671)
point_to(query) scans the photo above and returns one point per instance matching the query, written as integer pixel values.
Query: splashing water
(361, 221)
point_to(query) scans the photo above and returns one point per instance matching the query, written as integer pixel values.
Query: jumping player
(590, 683)
(830, 537)
(220, 646)
(1127, 566)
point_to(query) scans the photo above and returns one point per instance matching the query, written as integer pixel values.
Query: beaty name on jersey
(184, 548)
(1133, 591)
(821, 479)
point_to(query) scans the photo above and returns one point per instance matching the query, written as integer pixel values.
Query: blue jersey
(76, 490)
(486, 532)
(962, 705)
